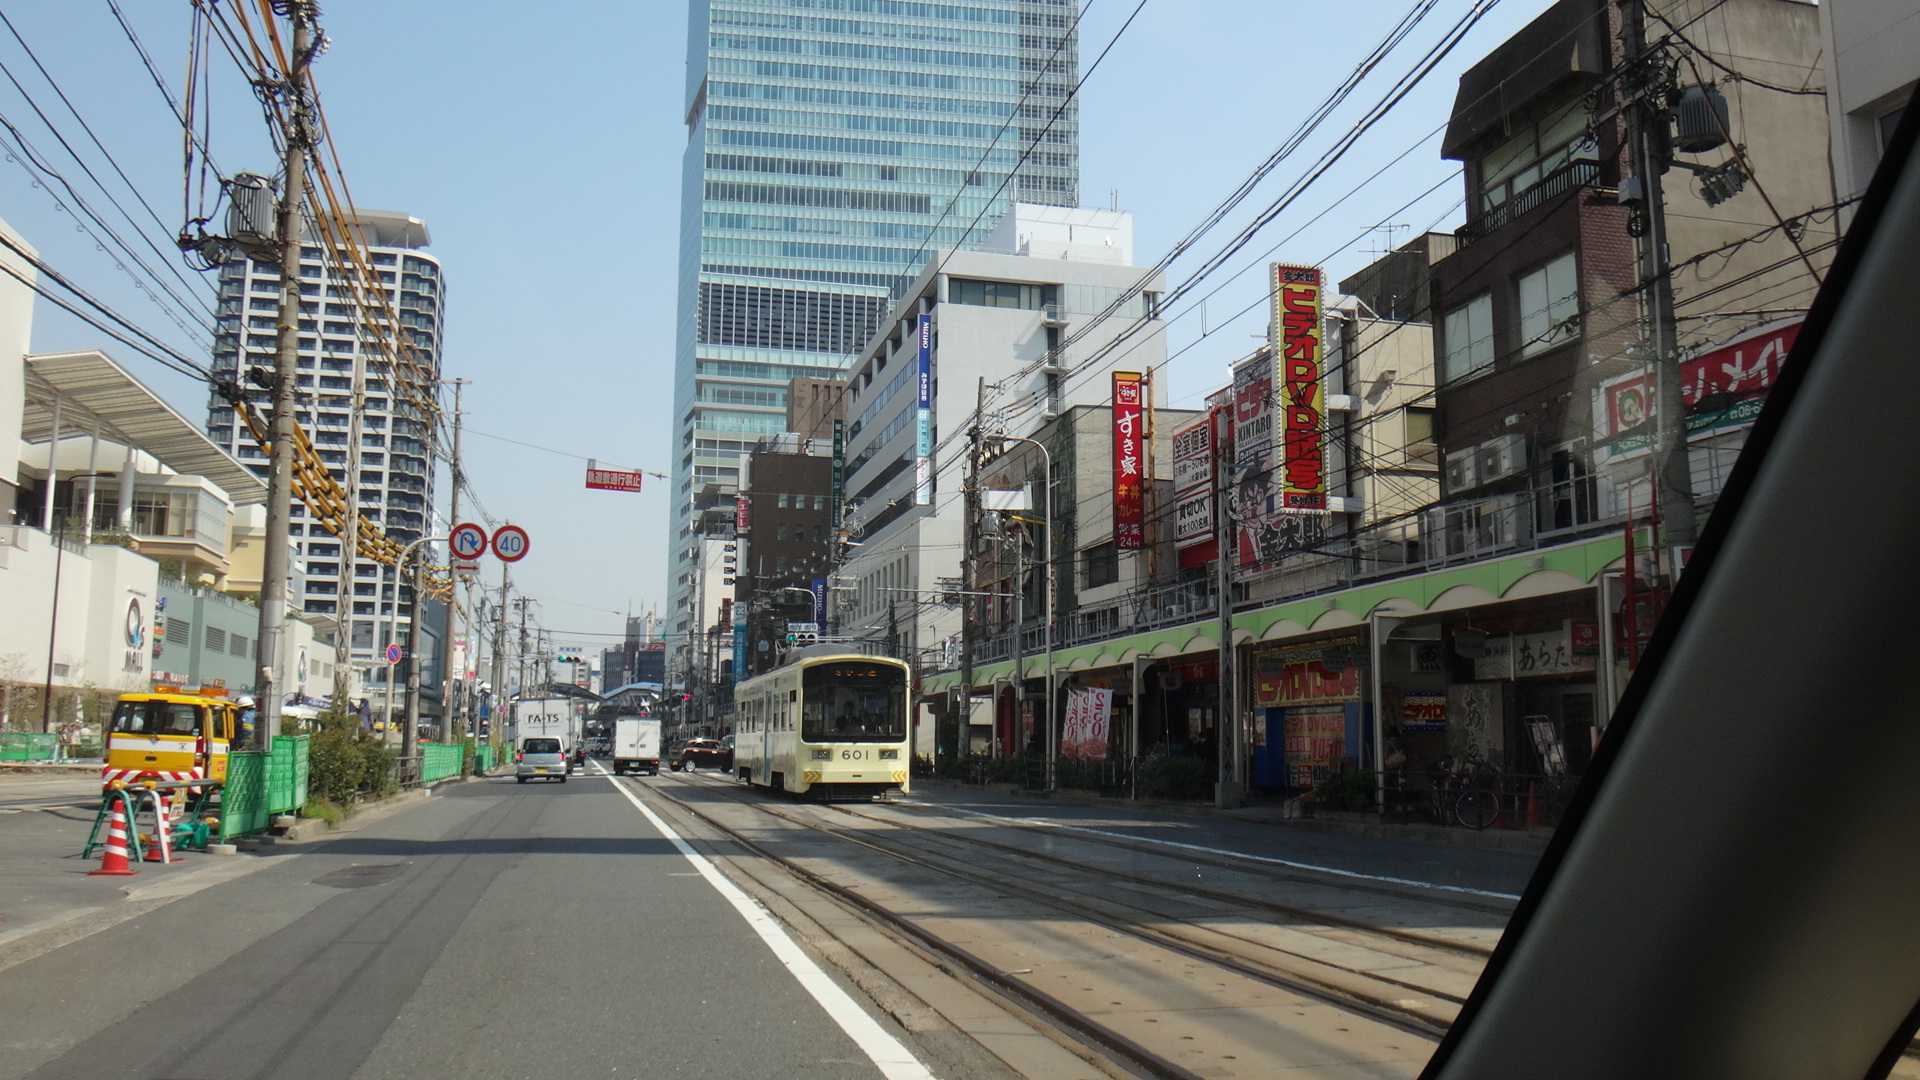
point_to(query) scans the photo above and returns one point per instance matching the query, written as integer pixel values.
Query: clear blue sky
(542, 144)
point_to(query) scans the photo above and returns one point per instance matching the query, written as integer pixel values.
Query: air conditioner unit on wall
(1463, 469)
(1505, 521)
(1502, 456)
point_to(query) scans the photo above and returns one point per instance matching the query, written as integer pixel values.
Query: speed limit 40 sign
(510, 543)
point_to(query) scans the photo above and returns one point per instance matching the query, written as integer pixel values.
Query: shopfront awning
(94, 390)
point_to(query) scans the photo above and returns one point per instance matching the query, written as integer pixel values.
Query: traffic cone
(114, 862)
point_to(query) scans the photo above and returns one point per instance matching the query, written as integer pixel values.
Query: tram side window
(854, 702)
(156, 718)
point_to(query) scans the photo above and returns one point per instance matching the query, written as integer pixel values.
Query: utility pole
(1646, 78)
(461, 721)
(499, 675)
(274, 563)
(970, 532)
(1226, 791)
(350, 543)
(523, 601)
(412, 708)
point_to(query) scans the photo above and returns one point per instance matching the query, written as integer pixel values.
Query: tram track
(1375, 995)
(1286, 911)
(1344, 985)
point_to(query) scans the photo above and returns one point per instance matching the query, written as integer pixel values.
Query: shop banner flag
(1084, 733)
(923, 419)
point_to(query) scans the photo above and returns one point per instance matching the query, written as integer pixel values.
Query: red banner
(742, 513)
(613, 480)
(1129, 464)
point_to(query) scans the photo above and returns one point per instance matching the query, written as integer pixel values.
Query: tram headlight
(823, 755)
(889, 755)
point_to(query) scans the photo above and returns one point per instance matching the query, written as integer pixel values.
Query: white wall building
(1872, 51)
(1010, 320)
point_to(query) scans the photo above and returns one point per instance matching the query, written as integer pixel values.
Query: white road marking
(1334, 870)
(887, 1053)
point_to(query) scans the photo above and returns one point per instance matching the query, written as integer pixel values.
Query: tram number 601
(852, 755)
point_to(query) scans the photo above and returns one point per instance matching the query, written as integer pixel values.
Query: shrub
(344, 762)
(1163, 776)
(326, 810)
(1347, 791)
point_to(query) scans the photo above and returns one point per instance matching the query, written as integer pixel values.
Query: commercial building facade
(827, 159)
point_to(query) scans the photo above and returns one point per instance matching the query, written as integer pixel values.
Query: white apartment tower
(383, 447)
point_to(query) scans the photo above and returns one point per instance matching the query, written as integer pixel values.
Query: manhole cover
(359, 877)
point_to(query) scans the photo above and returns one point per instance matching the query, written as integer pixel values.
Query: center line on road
(893, 1059)
(1334, 870)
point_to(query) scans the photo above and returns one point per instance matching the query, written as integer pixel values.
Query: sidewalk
(1529, 842)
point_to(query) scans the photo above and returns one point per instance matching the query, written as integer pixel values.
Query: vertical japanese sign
(740, 650)
(839, 473)
(742, 513)
(923, 419)
(1300, 358)
(819, 589)
(1193, 491)
(1129, 464)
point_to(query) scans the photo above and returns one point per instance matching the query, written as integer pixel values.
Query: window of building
(1419, 426)
(1005, 294)
(783, 500)
(819, 502)
(780, 533)
(1100, 565)
(1535, 151)
(1888, 123)
(1468, 337)
(1549, 300)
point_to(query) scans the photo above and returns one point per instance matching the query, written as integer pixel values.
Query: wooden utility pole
(500, 656)
(275, 561)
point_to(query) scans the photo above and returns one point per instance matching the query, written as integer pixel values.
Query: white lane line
(1334, 870)
(893, 1060)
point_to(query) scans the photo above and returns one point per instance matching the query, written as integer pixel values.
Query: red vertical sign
(1129, 464)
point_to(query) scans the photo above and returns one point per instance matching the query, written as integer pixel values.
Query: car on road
(540, 758)
(703, 754)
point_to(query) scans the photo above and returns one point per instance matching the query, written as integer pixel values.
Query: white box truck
(548, 718)
(636, 745)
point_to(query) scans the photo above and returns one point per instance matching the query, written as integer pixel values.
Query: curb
(307, 830)
(1528, 843)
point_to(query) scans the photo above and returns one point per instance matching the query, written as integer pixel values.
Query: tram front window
(853, 702)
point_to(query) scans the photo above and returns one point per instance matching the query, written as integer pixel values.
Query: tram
(828, 726)
(170, 735)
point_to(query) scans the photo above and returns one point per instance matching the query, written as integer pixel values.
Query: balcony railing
(1574, 174)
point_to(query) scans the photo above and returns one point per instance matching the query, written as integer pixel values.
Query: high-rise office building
(834, 146)
(339, 348)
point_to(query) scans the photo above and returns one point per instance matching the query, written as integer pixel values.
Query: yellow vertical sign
(1300, 382)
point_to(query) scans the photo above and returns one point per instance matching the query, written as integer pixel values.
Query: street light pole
(1052, 748)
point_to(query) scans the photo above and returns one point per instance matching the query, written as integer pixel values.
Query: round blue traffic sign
(393, 654)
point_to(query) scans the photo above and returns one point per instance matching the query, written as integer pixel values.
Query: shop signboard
(1723, 387)
(1423, 710)
(1314, 741)
(1129, 464)
(1323, 673)
(1193, 491)
(1299, 353)
(1084, 732)
(923, 418)
(1541, 652)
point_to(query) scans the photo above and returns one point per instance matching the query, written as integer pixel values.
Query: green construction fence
(440, 760)
(28, 746)
(261, 784)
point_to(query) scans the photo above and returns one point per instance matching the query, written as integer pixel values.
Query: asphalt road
(495, 930)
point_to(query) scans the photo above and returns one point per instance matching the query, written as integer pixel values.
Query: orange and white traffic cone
(114, 862)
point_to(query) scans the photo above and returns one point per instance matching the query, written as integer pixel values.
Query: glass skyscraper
(833, 146)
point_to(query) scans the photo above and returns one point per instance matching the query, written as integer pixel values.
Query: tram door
(766, 739)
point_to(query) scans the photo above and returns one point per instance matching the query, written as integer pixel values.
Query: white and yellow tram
(832, 726)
